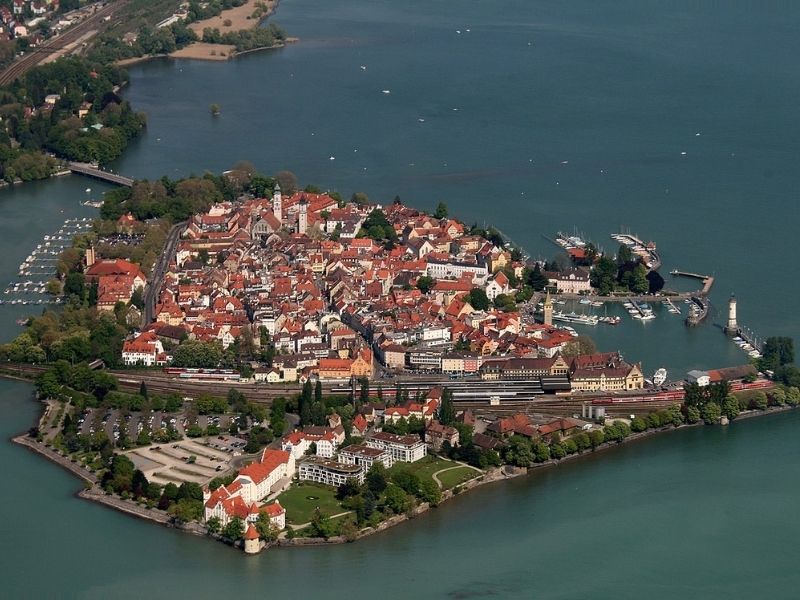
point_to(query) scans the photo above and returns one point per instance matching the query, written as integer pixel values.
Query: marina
(645, 251)
(640, 311)
(39, 266)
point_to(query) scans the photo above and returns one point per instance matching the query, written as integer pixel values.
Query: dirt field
(237, 16)
(202, 51)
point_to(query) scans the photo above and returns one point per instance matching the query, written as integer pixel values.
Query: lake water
(569, 115)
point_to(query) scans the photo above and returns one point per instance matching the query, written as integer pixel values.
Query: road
(157, 276)
(94, 23)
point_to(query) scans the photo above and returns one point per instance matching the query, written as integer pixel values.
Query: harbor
(39, 267)
(646, 251)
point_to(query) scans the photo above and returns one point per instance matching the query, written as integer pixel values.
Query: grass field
(454, 477)
(425, 467)
(300, 502)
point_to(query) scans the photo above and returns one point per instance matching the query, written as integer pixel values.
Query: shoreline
(91, 491)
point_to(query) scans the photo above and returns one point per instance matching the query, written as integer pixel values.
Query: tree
(234, 530)
(376, 478)
(536, 279)
(447, 410)
(579, 346)
(778, 351)
(711, 413)
(596, 438)
(425, 284)
(137, 298)
(604, 275)
(288, 181)
(74, 285)
(396, 500)
(441, 211)
(429, 492)
(624, 255)
(214, 525)
(759, 401)
(320, 524)
(638, 425)
(478, 299)
(266, 530)
(730, 407)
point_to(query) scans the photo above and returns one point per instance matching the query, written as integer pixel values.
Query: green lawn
(454, 477)
(301, 500)
(425, 467)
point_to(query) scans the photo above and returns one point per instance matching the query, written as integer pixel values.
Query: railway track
(91, 23)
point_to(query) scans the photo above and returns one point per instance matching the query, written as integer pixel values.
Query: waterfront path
(304, 525)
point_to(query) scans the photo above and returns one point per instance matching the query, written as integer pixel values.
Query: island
(274, 365)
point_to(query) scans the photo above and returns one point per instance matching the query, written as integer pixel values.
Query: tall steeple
(277, 202)
(548, 310)
(302, 217)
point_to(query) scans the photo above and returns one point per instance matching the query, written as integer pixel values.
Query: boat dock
(646, 251)
(708, 280)
(640, 312)
(751, 338)
(671, 306)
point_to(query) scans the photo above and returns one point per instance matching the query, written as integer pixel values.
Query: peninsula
(275, 365)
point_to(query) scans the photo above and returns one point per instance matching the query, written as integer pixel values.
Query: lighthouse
(733, 327)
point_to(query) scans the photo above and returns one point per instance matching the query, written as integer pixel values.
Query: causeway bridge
(91, 170)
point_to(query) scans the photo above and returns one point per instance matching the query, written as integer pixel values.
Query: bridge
(91, 170)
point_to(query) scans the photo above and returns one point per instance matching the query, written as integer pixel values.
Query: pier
(708, 280)
(647, 252)
(671, 305)
(91, 170)
(751, 338)
(700, 308)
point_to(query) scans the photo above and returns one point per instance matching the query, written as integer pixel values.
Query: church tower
(302, 217)
(548, 311)
(733, 327)
(277, 202)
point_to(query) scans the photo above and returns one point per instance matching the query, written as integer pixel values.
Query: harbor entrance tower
(732, 328)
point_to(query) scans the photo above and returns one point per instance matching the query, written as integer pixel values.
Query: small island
(274, 365)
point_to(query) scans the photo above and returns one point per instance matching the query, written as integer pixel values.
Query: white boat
(659, 377)
(584, 301)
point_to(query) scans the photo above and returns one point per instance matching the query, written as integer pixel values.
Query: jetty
(707, 280)
(96, 172)
(699, 311)
(646, 251)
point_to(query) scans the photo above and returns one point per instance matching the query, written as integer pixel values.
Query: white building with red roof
(253, 483)
(145, 349)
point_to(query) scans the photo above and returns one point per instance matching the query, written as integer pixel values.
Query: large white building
(361, 454)
(402, 448)
(329, 472)
(298, 443)
(253, 483)
(453, 269)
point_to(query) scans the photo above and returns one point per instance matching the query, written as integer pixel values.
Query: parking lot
(195, 460)
(185, 460)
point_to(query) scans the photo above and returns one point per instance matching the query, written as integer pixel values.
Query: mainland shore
(94, 493)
